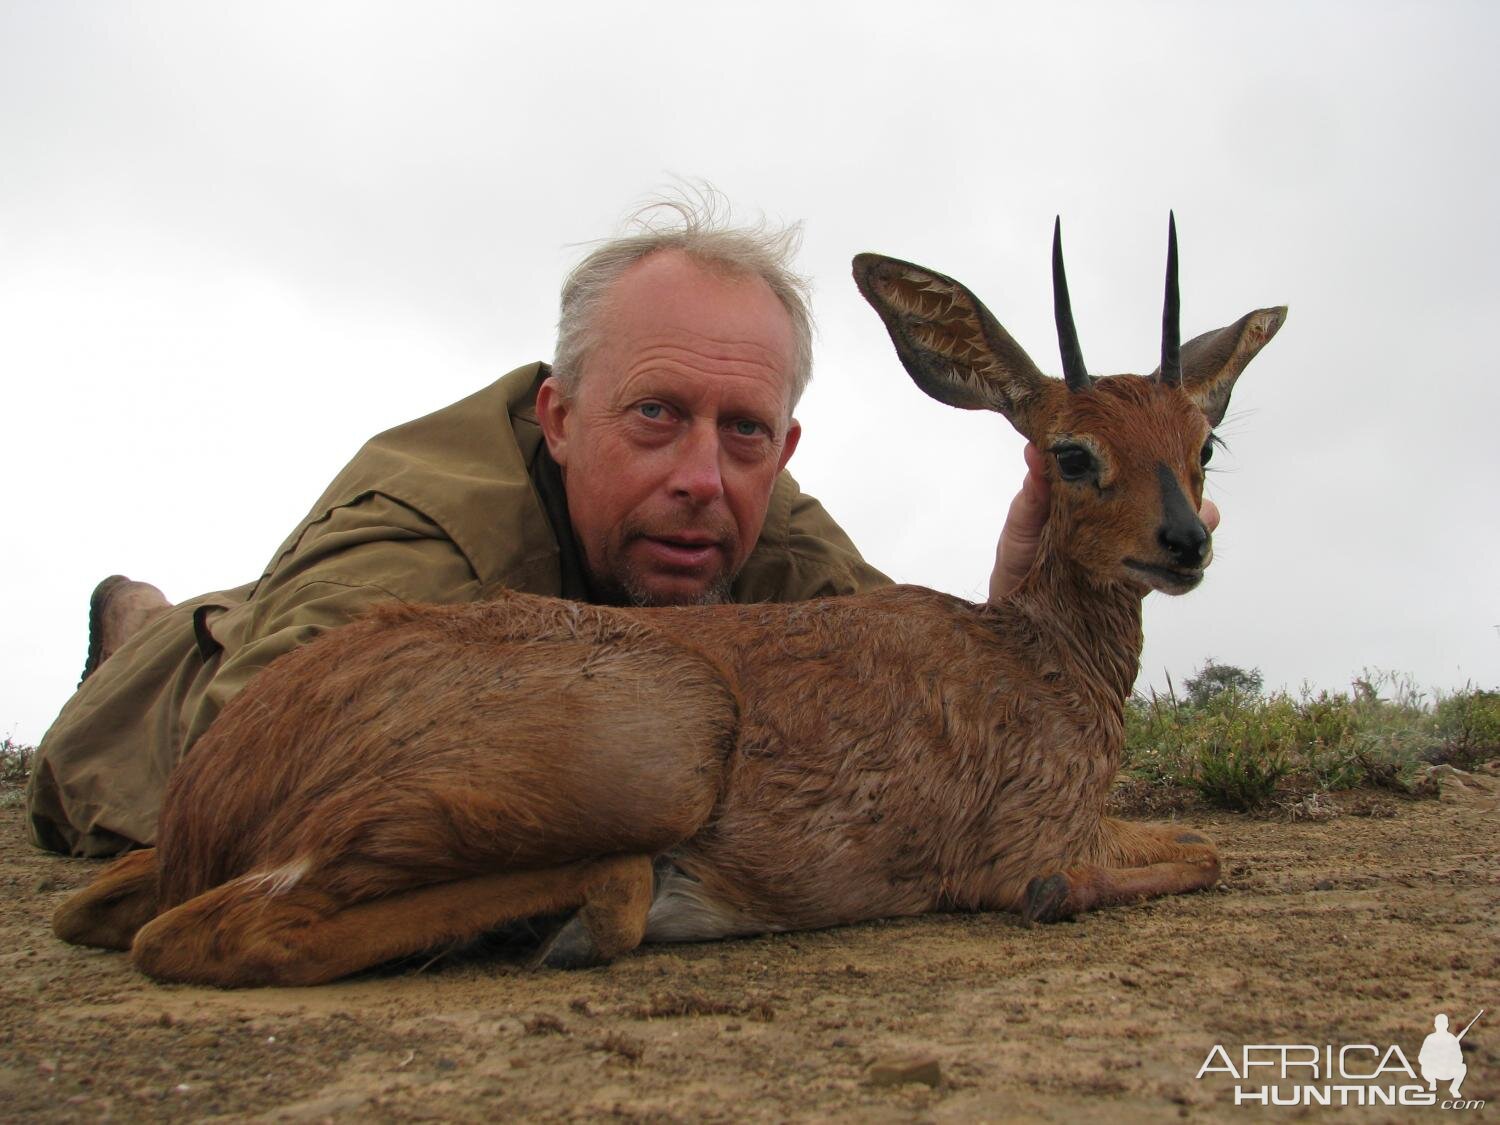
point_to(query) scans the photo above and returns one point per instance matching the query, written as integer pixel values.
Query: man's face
(671, 446)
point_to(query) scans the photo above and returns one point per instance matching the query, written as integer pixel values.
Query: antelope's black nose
(1186, 541)
(1181, 534)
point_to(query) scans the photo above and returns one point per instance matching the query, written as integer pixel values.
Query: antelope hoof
(1046, 900)
(1193, 838)
(572, 947)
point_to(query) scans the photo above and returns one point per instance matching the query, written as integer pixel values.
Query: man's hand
(1022, 534)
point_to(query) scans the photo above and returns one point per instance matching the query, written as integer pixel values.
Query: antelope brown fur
(427, 774)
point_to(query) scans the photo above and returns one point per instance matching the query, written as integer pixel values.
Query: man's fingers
(1028, 511)
(1209, 514)
(1036, 464)
(1023, 528)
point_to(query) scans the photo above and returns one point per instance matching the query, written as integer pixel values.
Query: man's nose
(695, 472)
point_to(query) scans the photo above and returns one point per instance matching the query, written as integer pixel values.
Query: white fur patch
(278, 880)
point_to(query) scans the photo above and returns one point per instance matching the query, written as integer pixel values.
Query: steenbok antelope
(427, 774)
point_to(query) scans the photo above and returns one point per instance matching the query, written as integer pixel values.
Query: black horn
(1074, 372)
(1171, 330)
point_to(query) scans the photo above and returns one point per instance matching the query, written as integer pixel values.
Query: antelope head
(1125, 453)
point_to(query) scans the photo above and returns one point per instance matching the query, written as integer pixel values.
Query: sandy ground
(1353, 929)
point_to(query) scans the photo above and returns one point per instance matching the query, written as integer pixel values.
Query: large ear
(951, 345)
(1213, 361)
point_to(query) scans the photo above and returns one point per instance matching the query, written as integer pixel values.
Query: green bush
(1468, 722)
(1244, 750)
(1235, 778)
(15, 762)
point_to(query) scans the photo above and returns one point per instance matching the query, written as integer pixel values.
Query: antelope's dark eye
(1074, 462)
(1208, 449)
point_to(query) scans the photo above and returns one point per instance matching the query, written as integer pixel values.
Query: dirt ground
(1356, 928)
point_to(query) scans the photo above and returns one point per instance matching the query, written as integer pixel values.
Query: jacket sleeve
(804, 554)
(360, 555)
(825, 556)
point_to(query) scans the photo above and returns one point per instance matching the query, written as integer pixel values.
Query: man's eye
(652, 410)
(1074, 462)
(746, 428)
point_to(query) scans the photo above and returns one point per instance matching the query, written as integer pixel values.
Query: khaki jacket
(439, 510)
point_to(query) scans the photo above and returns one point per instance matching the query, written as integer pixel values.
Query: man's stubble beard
(631, 589)
(637, 595)
(627, 587)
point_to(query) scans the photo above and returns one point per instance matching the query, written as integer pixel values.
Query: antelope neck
(1092, 627)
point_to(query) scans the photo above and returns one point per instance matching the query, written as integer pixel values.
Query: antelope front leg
(611, 921)
(241, 934)
(1142, 861)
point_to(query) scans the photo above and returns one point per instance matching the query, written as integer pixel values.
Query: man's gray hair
(698, 227)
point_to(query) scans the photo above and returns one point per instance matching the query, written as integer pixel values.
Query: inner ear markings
(950, 344)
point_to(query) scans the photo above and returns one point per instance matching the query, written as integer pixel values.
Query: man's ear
(552, 409)
(789, 446)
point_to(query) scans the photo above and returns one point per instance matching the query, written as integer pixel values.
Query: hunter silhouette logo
(1304, 1074)
(1441, 1057)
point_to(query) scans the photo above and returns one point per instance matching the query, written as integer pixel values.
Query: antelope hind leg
(243, 933)
(107, 913)
(1145, 861)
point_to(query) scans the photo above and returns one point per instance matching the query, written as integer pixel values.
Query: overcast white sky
(237, 240)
